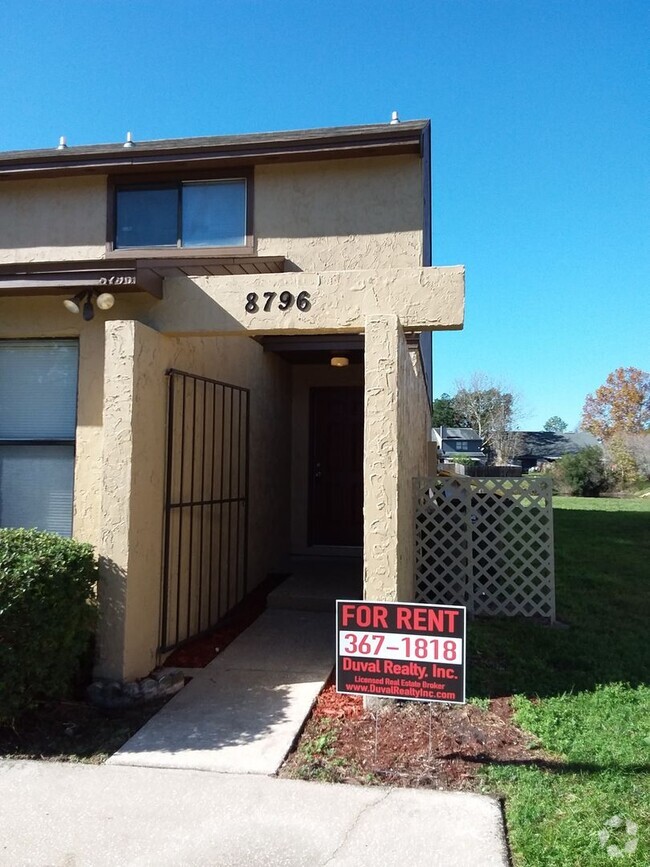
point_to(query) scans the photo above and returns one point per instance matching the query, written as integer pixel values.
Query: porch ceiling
(315, 348)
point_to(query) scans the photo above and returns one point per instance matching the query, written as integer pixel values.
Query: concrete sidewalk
(243, 711)
(67, 815)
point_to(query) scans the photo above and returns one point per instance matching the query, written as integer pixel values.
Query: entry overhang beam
(59, 278)
(424, 299)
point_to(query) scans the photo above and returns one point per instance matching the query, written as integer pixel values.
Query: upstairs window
(211, 213)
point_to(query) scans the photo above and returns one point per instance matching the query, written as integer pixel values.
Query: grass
(581, 691)
(316, 757)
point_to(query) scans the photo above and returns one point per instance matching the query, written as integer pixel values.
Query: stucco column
(397, 421)
(380, 459)
(131, 500)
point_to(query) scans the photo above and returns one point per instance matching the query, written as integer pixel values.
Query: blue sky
(540, 125)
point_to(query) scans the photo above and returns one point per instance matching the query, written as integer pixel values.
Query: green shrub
(582, 474)
(463, 460)
(47, 614)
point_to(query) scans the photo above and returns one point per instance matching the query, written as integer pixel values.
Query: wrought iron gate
(206, 505)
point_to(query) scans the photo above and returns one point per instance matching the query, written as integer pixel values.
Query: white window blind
(38, 399)
(38, 389)
(36, 487)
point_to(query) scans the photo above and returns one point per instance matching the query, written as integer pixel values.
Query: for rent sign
(401, 650)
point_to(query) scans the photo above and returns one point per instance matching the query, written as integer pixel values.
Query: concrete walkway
(243, 711)
(239, 715)
(67, 815)
(317, 582)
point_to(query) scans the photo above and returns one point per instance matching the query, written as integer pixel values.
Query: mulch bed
(72, 731)
(198, 652)
(407, 743)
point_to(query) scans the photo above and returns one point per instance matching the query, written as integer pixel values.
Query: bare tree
(505, 445)
(492, 410)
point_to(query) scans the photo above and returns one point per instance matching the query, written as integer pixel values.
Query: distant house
(455, 442)
(537, 448)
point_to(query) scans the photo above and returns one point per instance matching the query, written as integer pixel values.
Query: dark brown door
(336, 466)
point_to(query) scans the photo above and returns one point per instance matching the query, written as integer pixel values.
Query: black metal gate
(206, 505)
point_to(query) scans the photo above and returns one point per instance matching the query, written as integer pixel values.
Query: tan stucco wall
(305, 377)
(324, 215)
(52, 219)
(395, 451)
(134, 467)
(332, 215)
(340, 301)
(413, 431)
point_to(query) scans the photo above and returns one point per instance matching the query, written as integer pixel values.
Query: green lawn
(582, 691)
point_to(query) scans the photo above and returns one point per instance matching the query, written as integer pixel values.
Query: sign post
(401, 650)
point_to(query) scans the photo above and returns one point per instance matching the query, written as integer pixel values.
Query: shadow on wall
(196, 308)
(111, 598)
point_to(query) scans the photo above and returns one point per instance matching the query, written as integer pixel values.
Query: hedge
(582, 474)
(47, 616)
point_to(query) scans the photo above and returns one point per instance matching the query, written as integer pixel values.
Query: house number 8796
(285, 300)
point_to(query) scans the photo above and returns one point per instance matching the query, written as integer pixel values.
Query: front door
(336, 466)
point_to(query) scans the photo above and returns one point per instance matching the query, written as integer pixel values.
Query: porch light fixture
(339, 361)
(72, 304)
(104, 301)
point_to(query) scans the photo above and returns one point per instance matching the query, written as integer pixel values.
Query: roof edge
(195, 152)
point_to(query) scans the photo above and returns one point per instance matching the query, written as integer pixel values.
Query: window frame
(170, 180)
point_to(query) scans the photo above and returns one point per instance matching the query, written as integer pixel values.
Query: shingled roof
(292, 145)
(549, 445)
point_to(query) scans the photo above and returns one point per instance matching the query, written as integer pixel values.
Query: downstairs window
(38, 396)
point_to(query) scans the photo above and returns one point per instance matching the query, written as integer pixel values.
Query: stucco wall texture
(339, 301)
(340, 214)
(52, 219)
(323, 215)
(395, 451)
(413, 430)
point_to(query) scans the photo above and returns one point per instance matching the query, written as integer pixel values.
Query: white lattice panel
(486, 543)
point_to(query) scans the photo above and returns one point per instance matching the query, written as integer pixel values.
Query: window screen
(214, 214)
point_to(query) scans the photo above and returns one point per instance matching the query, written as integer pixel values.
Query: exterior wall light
(104, 301)
(72, 304)
(339, 361)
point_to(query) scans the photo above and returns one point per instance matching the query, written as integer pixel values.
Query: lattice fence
(486, 543)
